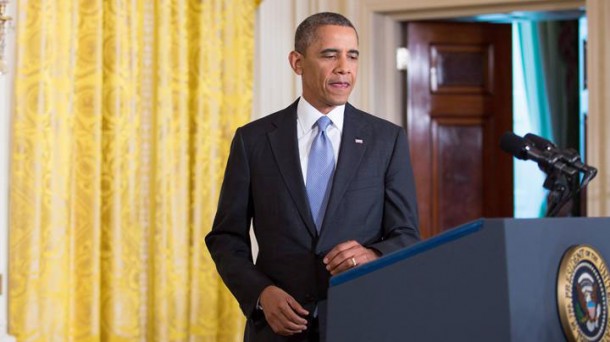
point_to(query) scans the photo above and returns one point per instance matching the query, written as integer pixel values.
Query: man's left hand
(348, 255)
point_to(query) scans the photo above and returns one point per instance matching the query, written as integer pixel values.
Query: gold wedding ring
(354, 263)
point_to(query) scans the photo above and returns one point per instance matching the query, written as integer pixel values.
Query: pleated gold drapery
(124, 111)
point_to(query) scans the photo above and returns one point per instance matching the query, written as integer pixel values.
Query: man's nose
(343, 65)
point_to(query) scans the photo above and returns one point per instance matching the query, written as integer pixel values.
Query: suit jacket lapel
(285, 148)
(353, 145)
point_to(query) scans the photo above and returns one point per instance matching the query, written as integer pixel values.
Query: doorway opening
(548, 81)
(548, 92)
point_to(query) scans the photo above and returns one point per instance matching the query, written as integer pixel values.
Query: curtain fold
(558, 42)
(549, 55)
(531, 197)
(124, 112)
(534, 77)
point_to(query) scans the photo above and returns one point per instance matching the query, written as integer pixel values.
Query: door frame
(380, 33)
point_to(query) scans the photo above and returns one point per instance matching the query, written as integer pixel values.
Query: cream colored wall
(378, 88)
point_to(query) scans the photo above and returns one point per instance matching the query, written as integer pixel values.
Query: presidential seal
(583, 287)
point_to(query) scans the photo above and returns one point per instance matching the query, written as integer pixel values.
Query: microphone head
(540, 142)
(515, 145)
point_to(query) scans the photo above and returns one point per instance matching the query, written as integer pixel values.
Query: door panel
(459, 104)
(450, 138)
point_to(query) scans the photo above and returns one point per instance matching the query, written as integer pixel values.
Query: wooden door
(459, 91)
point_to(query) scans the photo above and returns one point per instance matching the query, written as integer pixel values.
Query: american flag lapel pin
(359, 141)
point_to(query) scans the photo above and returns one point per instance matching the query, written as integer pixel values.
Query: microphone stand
(562, 167)
(561, 191)
(564, 185)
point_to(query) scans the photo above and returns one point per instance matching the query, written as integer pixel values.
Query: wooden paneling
(463, 69)
(459, 102)
(457, 169)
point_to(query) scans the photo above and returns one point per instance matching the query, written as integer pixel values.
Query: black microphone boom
(562, 167)
(569, 155)
(524, 149)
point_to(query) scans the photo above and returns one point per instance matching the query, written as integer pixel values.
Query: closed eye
(329, 53)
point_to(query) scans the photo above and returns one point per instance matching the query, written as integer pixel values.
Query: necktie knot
(323, 123)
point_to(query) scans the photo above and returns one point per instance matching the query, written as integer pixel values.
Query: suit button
(309, 298)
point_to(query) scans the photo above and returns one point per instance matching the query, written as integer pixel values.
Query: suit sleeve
(400, 219)
(229, 239)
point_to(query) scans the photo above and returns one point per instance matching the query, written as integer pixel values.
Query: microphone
(569, 155)
(562, 167)
(540, 142)
(524, 149)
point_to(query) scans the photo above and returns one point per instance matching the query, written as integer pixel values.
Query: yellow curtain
(124, 111)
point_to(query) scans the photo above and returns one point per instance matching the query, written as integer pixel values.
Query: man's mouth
(342, 85)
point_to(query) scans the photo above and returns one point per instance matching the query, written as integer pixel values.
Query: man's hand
(283, 313)
(348, 255)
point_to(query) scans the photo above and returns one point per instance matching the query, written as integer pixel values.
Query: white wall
(275, 86)
(5, 115)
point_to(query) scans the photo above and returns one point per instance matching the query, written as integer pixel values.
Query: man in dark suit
(327, 188)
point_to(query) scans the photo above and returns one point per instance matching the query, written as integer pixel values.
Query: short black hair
(306, 32)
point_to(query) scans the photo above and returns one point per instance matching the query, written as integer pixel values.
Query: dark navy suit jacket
(372, 201)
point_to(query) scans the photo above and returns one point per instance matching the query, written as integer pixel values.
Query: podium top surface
(405, 253)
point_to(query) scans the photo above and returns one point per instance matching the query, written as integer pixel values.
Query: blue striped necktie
(320, 169)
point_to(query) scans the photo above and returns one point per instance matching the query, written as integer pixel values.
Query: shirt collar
(307, 116)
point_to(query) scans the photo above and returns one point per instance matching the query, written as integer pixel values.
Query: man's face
(329, 66)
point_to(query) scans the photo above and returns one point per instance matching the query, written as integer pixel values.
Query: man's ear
(295, 59)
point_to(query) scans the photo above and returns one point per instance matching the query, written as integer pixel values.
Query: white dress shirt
(307, 130)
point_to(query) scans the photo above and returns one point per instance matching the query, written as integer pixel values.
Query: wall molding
(598, 118)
